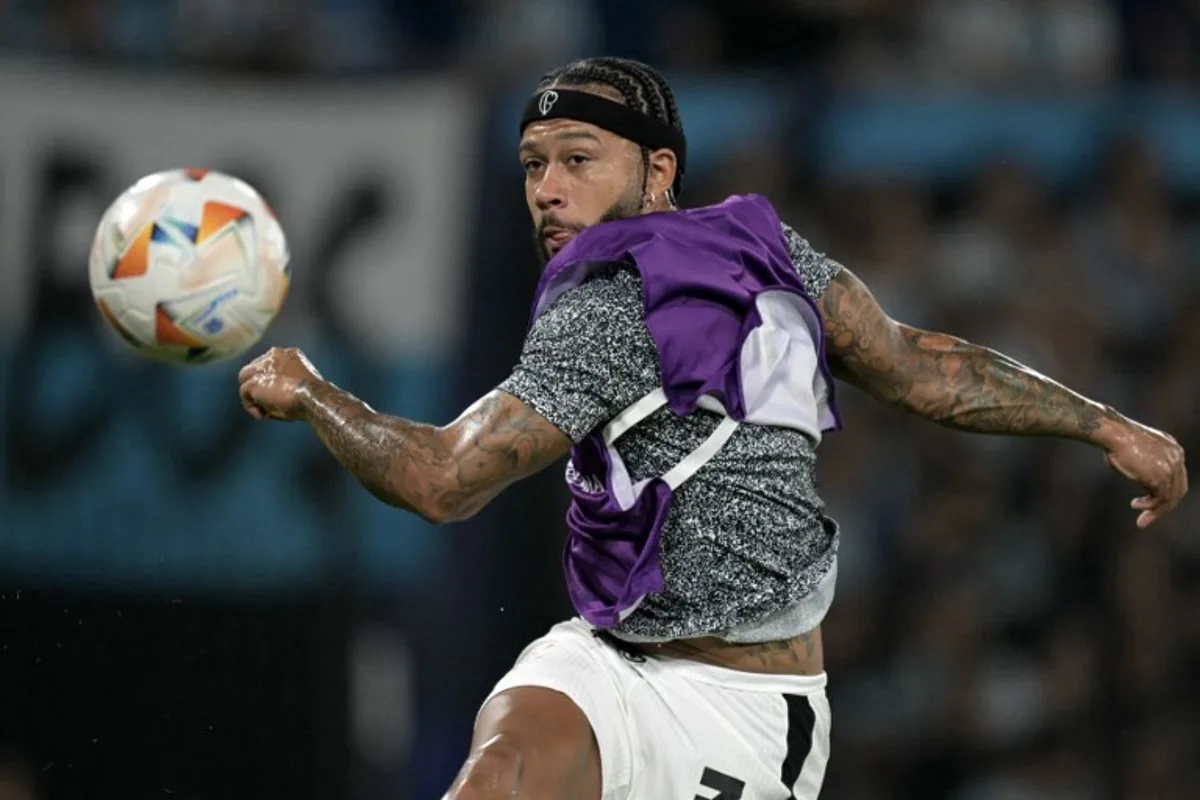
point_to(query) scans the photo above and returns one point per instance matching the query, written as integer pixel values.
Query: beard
(628, 205)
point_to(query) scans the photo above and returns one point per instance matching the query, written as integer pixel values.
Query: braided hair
(640, 86)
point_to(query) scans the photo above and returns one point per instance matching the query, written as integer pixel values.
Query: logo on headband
(549, 98)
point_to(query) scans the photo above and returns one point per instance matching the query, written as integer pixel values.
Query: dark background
(195, 607)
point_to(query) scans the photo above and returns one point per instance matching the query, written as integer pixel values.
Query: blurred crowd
(965, 43)
(1002, 630)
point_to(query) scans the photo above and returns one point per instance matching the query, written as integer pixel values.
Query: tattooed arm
(444, 474)
(933, 375)
(581, 363)
(947, 380)
(971, 388)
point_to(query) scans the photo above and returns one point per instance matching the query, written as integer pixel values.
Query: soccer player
(683, 359)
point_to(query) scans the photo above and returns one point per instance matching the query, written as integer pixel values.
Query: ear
(661, 174)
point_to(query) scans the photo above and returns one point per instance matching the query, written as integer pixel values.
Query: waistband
(735, 679)
(685, 669)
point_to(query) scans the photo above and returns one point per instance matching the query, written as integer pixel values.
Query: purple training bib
(736, 333)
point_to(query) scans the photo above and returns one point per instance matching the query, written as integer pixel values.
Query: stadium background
(197, 608)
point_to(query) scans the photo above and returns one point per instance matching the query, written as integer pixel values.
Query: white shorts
(670, 729)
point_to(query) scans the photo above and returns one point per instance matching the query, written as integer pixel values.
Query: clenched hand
(270, 384)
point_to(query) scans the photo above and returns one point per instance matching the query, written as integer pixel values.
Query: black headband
(611, 116)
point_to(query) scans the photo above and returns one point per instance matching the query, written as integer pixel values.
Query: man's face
(577, 175)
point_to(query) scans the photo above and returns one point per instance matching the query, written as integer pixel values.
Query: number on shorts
(725, 786)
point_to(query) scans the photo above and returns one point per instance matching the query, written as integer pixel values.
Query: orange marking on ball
(195, 173)
(167, 332)
(136, 259)
(217, 216)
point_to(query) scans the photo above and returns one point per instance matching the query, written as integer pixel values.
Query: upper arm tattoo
(443, 474)
(499, 441)
(863, 344)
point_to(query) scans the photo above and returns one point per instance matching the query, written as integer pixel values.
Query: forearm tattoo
(944, 379)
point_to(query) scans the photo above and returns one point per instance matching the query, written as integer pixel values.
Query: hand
(1155, 461)
(270, 384)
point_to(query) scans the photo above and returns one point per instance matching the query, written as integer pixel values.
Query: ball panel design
(112, 320)
(136, 259)
(189, 266)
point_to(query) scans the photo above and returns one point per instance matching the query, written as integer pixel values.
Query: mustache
(554, 222)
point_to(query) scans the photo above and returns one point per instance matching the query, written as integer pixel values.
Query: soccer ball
(189, 266)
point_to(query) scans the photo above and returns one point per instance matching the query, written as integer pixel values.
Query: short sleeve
(588, 357)
(816, 270)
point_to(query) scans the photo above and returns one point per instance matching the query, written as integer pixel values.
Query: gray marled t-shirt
(747, 551)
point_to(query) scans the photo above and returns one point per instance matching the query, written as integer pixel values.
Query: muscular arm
(444, 474)
(947, 380)
(582, 361)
